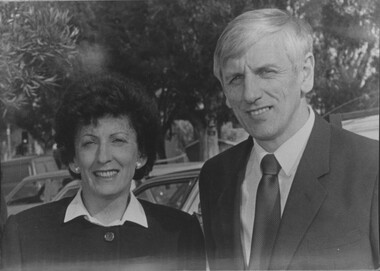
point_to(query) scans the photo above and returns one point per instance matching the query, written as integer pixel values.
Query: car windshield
(38, 191)
(172, 194)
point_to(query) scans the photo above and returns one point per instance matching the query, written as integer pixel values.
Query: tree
(36, 58)
(180, 38)
(168, 45)
(347, 54)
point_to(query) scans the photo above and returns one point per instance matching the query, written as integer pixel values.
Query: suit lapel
(229, 204)
(305, 197)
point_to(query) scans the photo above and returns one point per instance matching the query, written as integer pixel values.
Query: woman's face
(107, 156)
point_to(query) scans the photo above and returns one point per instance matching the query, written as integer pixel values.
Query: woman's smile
(107, 153)
(106, 173)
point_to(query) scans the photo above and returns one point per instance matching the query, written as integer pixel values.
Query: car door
(177, 190)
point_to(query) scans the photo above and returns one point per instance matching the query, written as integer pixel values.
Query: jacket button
(109, 236)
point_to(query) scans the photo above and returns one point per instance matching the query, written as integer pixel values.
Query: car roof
(366, 126)
(169, 177)
(164, 169)
(45, 175)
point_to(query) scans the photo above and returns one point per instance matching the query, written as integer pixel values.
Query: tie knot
(270, 165)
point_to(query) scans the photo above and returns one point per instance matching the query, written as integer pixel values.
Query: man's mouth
(105, 173)
(259, 111)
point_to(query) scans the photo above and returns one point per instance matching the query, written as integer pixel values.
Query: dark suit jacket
(38, 239)
(331, 218)
(3, 211)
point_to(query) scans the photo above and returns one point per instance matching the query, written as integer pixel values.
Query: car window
(28, 193)
(173, 194)
(70, 192)
(39, 191)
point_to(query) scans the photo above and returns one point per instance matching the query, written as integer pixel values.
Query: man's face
(264, 90)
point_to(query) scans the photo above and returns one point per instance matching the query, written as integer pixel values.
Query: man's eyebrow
(263, 67)
(232, 73)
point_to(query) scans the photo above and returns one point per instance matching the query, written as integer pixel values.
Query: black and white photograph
(189, 135)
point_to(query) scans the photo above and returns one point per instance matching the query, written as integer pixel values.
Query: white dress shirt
(134, 212)
(288, 155)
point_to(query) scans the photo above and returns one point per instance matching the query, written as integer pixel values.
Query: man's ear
(307, 73)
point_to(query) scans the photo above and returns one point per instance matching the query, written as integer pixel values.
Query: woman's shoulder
(42, 214)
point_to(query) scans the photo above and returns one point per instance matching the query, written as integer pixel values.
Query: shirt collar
(289, 153)
(134, 212)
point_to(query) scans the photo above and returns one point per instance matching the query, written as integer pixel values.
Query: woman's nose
(104, 153)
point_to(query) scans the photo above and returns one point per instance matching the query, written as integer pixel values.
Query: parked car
(363, 122)
(15, 170)
(36, 190)
(174, 187)
(174, 184)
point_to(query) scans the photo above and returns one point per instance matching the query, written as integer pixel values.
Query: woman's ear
(141, 161)
(74, 168)
(307, 74)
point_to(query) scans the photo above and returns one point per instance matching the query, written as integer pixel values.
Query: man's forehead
(234, 65)
(263, 54)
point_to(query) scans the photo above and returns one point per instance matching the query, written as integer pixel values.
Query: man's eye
(267, 72)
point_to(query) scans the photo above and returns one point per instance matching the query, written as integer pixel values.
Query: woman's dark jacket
(37, 239)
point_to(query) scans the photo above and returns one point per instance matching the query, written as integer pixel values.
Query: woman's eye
(119, 140)
(87, 143)
(236, 79)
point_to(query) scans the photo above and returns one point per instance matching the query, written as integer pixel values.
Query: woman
(106, 131)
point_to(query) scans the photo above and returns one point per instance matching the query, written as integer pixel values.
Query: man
(318, 205)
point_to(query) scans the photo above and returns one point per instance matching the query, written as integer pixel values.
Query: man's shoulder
(218, 170)
(229, 155)
(354, 144)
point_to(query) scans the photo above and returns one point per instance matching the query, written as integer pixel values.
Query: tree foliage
(347, 54)
(168, 45)
(38, 46)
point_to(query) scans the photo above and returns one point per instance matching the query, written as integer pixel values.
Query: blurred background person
(106, 132)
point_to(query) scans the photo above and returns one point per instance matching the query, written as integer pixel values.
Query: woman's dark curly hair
(96, 96)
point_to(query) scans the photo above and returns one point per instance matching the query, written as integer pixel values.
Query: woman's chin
(113, 193)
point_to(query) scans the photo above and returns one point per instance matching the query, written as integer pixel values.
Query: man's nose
(104, 153)
(251, 92)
